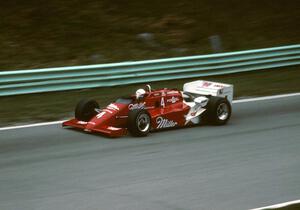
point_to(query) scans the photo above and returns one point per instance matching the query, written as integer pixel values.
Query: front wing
(109, 131)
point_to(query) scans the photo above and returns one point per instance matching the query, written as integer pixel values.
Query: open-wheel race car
(147, 110)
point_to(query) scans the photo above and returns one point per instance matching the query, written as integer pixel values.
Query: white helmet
(140, 93)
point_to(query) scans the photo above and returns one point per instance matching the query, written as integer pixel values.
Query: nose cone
(108, 116)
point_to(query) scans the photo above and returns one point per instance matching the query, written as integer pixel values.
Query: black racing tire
(139, 122)
(85, 109)
(218, 111)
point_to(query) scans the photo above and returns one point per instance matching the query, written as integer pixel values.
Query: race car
(148, 110)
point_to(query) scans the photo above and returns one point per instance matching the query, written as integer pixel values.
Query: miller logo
(165, 123)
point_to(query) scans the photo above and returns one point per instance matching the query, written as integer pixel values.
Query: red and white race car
(200, 101)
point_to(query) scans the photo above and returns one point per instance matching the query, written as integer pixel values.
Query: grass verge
(60, 105)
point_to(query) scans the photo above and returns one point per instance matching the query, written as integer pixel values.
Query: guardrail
(105, 75)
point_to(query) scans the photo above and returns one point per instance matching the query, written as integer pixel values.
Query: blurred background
(37, 34)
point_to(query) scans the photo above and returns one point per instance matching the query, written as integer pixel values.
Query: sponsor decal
(206, 84)
(193, 114)
(81, 123)
(113, 128)
(165, 123)
(108, 110)
(121, 117)
(100, 115)
(173, 100)
(137, 106)
(113, 107)
(156, 94)
(219, 85)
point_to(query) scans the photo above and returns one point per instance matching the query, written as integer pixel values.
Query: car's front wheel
(86, 109)
(139, 122)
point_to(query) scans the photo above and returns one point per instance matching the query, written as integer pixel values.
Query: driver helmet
(140, 94)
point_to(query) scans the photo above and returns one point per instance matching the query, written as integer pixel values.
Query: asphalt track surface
(251, 162)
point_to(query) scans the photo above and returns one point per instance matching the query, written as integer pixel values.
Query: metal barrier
(106, 75)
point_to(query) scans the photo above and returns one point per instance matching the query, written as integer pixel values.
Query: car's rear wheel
(139, 122)
(218, 110)
(86, 109)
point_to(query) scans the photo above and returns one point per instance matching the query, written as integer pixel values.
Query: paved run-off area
(251, 162)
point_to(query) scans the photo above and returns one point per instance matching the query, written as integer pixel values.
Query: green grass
(76, 32)
(60, 105)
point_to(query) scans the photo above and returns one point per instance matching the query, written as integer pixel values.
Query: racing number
(162, 102)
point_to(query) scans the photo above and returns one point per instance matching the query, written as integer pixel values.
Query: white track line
(266, 98)
(235, 101)
(31, 125)
(280, 205)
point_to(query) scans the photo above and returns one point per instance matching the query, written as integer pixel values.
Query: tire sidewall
(212, 107)
(133, 117)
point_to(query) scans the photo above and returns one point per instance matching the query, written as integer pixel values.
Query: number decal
(162, 102)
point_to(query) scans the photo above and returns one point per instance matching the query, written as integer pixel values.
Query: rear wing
(206, 88)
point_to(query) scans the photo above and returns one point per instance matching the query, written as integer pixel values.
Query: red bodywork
(166, 108)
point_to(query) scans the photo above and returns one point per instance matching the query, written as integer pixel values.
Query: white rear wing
(201, 87)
